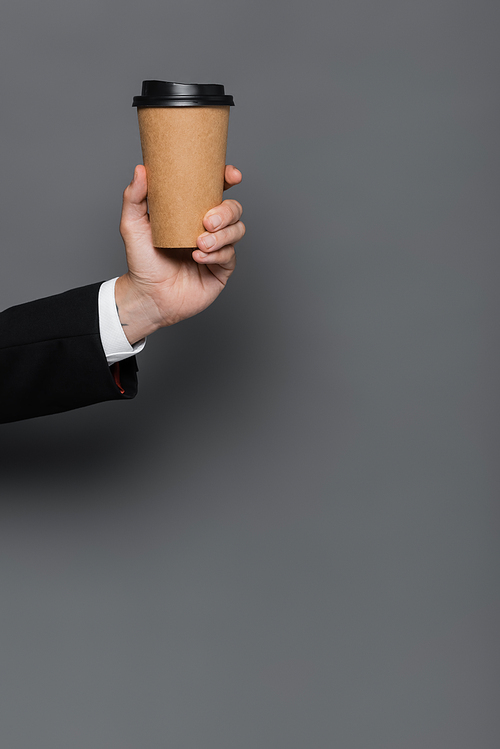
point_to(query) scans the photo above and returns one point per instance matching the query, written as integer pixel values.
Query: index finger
(232, 176)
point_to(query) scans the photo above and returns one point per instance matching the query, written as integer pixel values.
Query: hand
(162, 286)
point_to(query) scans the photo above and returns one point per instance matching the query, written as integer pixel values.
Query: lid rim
(180, 103)
(157, 93)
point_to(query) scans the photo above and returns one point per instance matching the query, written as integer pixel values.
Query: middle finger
(228, 212)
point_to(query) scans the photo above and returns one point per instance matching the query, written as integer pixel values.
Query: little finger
(225, 257)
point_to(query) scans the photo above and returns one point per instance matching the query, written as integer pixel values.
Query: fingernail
(208, 241)
(203, 254)
(214, 221)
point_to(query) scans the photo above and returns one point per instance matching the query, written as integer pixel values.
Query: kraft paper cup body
(184, 152)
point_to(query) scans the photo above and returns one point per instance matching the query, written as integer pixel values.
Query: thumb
(134, 197)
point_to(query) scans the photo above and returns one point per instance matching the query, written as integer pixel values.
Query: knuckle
(126, 196)
(233, 209)
(225, 214)
(229, 256)
(237, 209)
(223, 237)
(237, 232)
(125, 226)
(226, 256)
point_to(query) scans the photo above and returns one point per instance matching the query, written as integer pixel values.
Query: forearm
(52, 358)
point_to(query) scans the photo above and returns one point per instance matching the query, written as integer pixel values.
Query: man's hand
(163, 287)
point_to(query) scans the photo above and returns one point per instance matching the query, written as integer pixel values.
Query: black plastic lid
(170, 94)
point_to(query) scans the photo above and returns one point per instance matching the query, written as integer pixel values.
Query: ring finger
(212, 241)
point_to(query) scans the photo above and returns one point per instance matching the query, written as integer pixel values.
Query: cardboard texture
(184, 152)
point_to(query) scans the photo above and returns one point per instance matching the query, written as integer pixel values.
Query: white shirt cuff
(114, 341)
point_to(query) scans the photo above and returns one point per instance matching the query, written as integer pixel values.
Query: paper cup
(183, 129)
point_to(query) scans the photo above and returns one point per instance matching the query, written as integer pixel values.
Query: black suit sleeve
(52, 360)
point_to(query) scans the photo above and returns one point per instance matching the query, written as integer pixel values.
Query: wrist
(136, 309)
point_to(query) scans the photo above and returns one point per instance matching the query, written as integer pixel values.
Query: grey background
(291, 537)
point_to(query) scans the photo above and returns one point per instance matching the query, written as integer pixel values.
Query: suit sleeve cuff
(114, 341)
